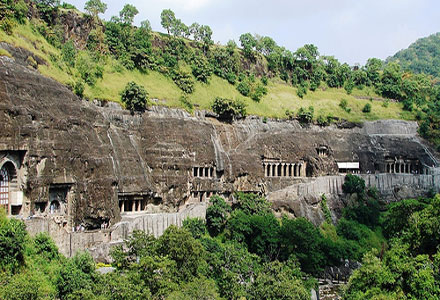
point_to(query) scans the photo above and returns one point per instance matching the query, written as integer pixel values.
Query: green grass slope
(280, 96)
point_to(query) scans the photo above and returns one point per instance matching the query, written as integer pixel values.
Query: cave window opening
(4, 188)
(54, 207)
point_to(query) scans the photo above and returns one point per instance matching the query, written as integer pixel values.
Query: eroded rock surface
(82, 163)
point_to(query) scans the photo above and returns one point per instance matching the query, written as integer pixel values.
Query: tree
(391, 81)
(373, 66)
(279, 281)
(179, 245)
(12, 243)
(205, 34)
(354, 184)
(135, 97)
(248, 43)
(128, 13)
(216, 215)
(228, 109)
(302, 239)
(95, 7)
(167, 19)
(196, 226)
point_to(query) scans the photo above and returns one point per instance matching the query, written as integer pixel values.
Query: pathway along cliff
(91, 173)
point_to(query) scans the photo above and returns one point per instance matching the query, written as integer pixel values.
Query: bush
(228, 109)
(78, 89)
(354, 184)
(68, 53)
(88, 69)
(45, 247)
(186, 102)
(243, 88)
(305, 116)
(216, 215)
(28, 285)
(367, 108)
(196, 226)
(301, 91)
(134, 97)
(322, 121)
(344, 105)
(302, 239)
(183, 80)
(201, 69)
(178, 245)
(12, 241)
(75, 275)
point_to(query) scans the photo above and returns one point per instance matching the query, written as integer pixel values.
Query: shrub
(354, 184)
(180, 246)
(216, 215)
(228, 109)
(201, 69)
(183, 80)
(343, 104)
(186, 102)
(78, 89)
(243, 88)
(68, 53)
(45, 247)
(264, 80)
(301, 91)
(134, 97)
(196, 226)
(88, 69)
(367, 108)
(305, 116)
(325, 209)
(322, 121)
(12, 241)
(348, 86)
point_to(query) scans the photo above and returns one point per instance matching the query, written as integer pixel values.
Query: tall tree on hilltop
(127, 13)
(95, 7)
(167, 19)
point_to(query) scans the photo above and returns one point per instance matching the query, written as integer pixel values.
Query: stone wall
(99, 242)
(303, 199)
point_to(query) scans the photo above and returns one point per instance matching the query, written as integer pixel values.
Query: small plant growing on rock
(78, 89)
(134, 97)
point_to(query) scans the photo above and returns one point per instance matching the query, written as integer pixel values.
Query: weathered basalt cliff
(89, 165)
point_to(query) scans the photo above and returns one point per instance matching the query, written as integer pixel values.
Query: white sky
(351, 30)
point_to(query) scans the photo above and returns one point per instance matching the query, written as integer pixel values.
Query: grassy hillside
(279, 98)
(422, 56)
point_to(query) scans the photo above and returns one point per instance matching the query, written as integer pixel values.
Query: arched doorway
(8, 184)
(4, 188)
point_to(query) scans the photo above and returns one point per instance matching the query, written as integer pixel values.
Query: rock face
(87, 166)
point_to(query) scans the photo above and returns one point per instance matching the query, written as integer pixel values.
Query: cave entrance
(8, 183)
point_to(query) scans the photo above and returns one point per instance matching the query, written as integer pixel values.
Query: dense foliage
(241, 251)
(134, 97)
(422, 56)
(410, 268)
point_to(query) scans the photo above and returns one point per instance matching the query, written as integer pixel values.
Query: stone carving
(116, 167)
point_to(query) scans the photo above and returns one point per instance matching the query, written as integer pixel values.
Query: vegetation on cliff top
(185, 69)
